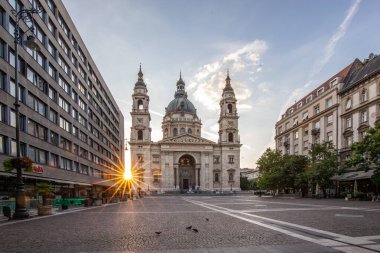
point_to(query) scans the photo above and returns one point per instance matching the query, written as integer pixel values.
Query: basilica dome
(181, 104)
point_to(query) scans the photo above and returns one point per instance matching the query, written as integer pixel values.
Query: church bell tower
(140, 130)
(228, 120)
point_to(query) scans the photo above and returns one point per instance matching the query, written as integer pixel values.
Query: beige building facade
(312, 119)
(183, 160)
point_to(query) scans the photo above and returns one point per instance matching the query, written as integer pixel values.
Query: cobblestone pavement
(235, 224)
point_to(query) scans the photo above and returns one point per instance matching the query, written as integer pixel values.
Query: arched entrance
(187, 179)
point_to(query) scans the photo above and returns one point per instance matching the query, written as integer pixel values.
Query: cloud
(244, 63)
(329, 49)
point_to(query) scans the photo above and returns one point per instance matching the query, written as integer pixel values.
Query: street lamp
(26, 15)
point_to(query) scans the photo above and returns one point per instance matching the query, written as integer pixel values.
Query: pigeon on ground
(158, 233)
(189, 227)
(195, 230)
(207, 219)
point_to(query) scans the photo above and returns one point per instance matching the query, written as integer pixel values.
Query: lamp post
(25, 15)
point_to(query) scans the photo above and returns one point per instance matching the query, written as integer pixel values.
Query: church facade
(183, 160)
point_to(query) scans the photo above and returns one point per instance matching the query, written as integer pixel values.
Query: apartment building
(71, 126)
(312, 119)
(360, 102)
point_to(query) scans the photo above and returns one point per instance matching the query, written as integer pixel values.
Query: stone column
(196, 177)
(175, 178)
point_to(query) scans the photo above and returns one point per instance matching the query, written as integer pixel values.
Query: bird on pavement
(207, 219)
(195, 230)
(158, 233)
(189, 227)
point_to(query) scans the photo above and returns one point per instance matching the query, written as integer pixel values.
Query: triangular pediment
(187, 139)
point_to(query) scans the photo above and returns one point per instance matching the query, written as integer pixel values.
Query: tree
(269, 165)
(323, 164)
(247, 184)
(293, 167)
(366, 154)
(45, 190)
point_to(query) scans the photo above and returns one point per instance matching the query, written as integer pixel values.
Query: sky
(276, 52)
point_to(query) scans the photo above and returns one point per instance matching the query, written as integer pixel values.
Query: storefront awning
(354, 175)
(60, 181)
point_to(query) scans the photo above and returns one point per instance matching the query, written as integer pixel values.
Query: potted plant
(45, 190)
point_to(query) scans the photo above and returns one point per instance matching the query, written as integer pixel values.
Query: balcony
(315, 131)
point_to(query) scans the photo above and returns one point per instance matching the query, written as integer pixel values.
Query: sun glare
(128, 174)
(123, 180)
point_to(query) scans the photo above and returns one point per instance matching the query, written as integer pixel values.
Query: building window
(348, 141)
(52, 94)
(140, 135)
(64, 104)
(175, 132)
(230, 177)
(320, 91)
(363, 117)
(189, 131)
(229, 108)
(286, 125)
(317, 125)
(295, 121)
(316, 109)
(37, 155)
(53, 138)
(364, 95)
(305, 145)
(12, 118)
(182, 131)
(348, 122)
(53, 161)
(52, 50)
(52, 72)
(230, 159)
(305, 116)
(216, 177)
(66, 164)
(329, 119)
(329, 102)
(309, 98)
(64, 124)
(37, 130)
(2, 144)
(348, 103)
(296, 135)
(216, 159)
(140, 104)
(65, 144)
(329, 136)
(63, 25)
(53, 116)
(230, 137)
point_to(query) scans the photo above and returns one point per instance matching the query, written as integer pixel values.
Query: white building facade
(183, 159)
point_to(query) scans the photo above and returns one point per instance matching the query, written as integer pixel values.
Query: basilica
(183, 160)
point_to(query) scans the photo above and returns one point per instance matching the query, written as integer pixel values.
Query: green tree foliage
(270, 167)
(278, 172)
(45, 190)
(247, 184)
(323, 164)
(366, 153)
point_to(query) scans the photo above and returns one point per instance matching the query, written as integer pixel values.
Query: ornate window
(182, 131)
(175, 132)
(140, 135)
(189, 131)
(230, 177)
(216, 177)
(230, 137)
(166, 133)
(140, 105)
(364, 96)
(348, 103)
(229, 108)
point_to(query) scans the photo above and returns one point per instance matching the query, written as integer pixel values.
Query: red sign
(37, 169)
